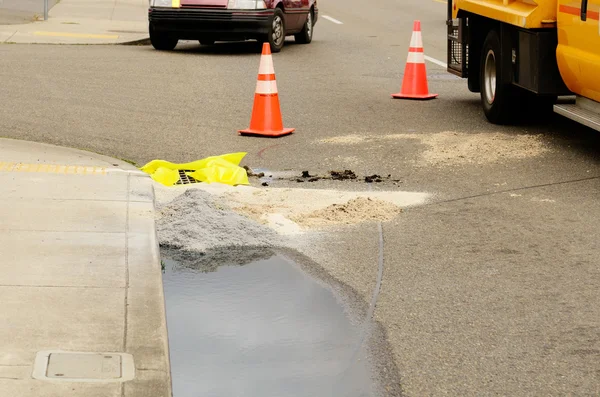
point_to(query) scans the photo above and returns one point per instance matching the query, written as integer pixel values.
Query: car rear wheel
(162, 41)
(306, 35)
(276, 37)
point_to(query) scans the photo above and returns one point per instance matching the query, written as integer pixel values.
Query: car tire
(162, 41)
(206, 42)
(306, 35)
(497, 98)
(276, 36)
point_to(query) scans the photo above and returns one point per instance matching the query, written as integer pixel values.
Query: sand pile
(451, 148)
(361, 209)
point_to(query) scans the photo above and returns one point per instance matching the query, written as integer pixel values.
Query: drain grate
(184, 179)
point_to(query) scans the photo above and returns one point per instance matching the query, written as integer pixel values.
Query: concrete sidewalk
(85, 22)
(79, 273)
(14, 12)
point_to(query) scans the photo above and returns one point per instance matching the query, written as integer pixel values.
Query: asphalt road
(490, 289)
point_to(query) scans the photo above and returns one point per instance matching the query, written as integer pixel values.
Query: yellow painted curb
(52, 169)
(78, 35)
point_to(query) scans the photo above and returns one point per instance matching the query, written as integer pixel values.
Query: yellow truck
(519, 52)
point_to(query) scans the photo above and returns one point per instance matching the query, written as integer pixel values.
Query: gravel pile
(194, 222)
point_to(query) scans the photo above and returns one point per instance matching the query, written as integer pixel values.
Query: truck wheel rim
(489, 77)
(278, 35)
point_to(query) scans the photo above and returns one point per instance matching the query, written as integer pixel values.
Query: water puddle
(246, 322)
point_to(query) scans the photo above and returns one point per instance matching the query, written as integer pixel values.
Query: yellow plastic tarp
(216, 169)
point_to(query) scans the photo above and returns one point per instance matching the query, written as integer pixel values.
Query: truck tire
(497, 97)
(306, 35)
(161, 41)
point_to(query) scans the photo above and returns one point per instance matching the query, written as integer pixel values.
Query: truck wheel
(161, 41)
(496, 97)
(276, 37)
(306, 35)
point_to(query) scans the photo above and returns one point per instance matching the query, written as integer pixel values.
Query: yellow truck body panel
(578, 52)
(527, 14)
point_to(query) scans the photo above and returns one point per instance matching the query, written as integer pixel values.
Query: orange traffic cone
(266, 114)
(414, 85)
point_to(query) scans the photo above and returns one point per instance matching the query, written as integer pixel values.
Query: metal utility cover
(84, 366)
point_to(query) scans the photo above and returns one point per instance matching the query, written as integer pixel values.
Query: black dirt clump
(346, 175)
(343, 175)
(307, 176)
(373, 178)
(252, 173)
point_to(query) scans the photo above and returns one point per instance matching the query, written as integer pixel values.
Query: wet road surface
(263, 328)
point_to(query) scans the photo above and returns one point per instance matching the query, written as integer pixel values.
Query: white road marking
(439, 63)
(333, 20)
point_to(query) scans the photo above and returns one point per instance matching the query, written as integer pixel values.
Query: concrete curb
(110, 161)
(10, 36)
(140, 42)
(147, 336)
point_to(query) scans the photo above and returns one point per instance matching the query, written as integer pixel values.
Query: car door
(292, 14)
(304, 9)
(578, 52)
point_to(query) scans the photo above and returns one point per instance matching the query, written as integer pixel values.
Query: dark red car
(231, 20)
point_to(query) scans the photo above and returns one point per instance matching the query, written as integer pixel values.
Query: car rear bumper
(195, 23)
